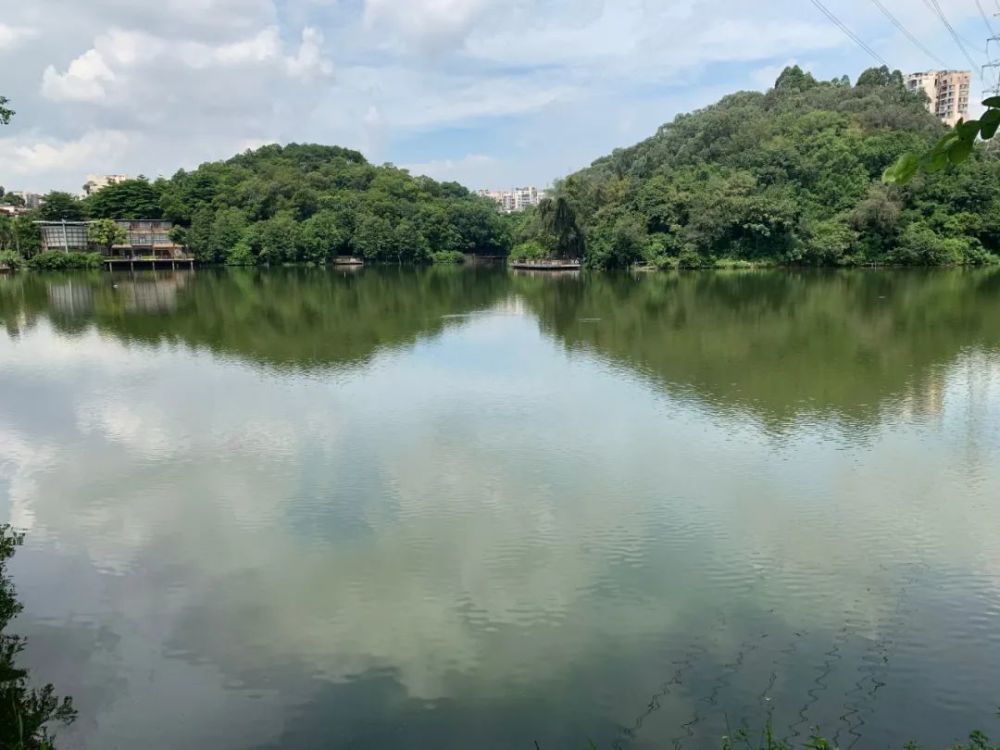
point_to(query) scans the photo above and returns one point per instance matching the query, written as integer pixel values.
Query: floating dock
(120, 264)
(547, 265)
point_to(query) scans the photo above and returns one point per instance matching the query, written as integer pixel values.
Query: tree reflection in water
(26, 713)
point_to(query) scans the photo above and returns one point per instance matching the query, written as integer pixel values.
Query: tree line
(296, 204)
(792, 176)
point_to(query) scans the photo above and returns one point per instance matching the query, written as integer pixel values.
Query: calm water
(466, 509)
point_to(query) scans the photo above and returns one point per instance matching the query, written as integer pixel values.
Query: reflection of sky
(476, 516)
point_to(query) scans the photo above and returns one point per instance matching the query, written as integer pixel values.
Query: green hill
(302, 203)
(790, 176)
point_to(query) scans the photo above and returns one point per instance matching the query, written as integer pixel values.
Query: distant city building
(31, 200)
(97, 182)
(947, 90)
(146, 238)
(512, 201)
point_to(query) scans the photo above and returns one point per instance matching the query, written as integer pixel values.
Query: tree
(178, 235)
(373, 238)
(106, 233)
(559, 225)
(20, 235)
(275, 240)
(12, 200)
(793, 78)
(60, 206)
(881, 76)
(5, 112)
(619, 246)
(321, 237)
(129, 199)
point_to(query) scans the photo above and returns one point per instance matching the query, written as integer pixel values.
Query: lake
(464, 508)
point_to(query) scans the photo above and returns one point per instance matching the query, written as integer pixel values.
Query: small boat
(347, 260)
(546, 265)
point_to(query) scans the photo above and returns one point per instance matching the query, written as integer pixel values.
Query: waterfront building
(64, 236)
(147, 238)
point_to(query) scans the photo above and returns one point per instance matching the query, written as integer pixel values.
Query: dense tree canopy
(5, 112)
(788, 176)
(300, 203)
(57, 206)
(307, 203)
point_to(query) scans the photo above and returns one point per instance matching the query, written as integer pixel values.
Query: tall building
(947, 90)
(96, 182)
(31, 200)
(518, 199)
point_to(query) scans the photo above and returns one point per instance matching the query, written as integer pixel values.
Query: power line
(936, 8)
(899, 25)
(986, 19)
(840, 25)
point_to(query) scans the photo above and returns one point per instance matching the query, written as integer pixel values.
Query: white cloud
(427, 23)
(467, 170)
(11, 36)
(123, 62)
(261, 47)
(31, 155)
(83, 81)
(309, 60)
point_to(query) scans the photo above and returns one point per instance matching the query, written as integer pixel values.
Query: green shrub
(241, 254)
(448, 258)
(54, 260)
(528, 251)
(11, 260)
(689, 257)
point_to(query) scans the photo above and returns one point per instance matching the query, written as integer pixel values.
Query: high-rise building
(31, 200)
(947, 92)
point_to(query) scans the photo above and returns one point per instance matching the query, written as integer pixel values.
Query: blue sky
(491, 93)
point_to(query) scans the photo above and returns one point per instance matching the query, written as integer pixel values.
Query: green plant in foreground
(953, 148)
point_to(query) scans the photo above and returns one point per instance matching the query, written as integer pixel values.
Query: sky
(491, 93)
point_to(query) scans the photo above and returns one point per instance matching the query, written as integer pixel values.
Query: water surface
(463, 508)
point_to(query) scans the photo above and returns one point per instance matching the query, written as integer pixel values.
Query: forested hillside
(788, 176)
(301, 203)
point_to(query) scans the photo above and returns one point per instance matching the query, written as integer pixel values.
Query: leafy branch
(954, 148)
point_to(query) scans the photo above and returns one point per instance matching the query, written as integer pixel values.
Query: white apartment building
(947, 90)
(96, 182)
(516, 200)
